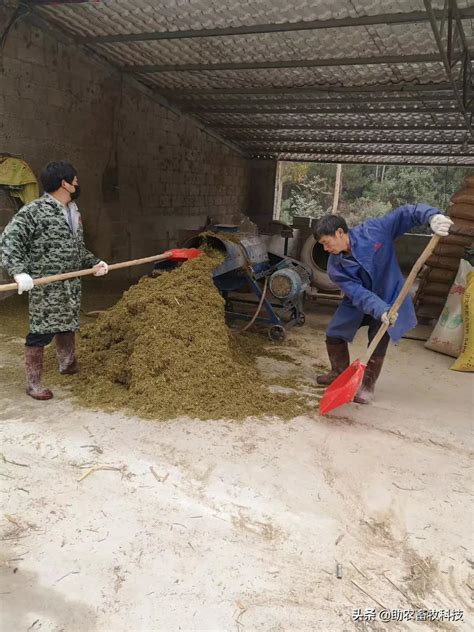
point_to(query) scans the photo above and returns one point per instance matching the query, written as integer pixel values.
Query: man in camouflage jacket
(45, 237)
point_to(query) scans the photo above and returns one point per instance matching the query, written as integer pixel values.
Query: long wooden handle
(403, 293)
(80, 273)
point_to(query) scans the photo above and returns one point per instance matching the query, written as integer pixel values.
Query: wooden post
(278, 190)
(337, 188)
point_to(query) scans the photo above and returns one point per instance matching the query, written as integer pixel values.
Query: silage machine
(278, 283)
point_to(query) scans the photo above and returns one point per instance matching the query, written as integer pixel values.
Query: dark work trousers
(374, 326)
(41, 340)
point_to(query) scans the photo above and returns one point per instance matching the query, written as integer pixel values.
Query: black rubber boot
(339, 359)
(66, 353)
(366, 391)
(34, 370)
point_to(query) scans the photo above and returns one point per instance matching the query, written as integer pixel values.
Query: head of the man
(60, 179)
(332, 233)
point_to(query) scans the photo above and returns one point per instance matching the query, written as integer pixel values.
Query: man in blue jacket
(364, 265)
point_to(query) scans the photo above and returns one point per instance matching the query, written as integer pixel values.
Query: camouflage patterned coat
(43, 239)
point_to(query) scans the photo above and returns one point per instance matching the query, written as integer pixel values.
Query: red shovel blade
(183, 254)
(343, 389)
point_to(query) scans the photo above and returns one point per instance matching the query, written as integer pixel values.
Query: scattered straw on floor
(14, 316)
(164, 350)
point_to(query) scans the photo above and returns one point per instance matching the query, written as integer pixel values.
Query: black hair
(54, 173)
(328, 225)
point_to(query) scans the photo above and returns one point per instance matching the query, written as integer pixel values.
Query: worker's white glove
(24, 282)
(440, 224)
(389, 320)
(101, 268)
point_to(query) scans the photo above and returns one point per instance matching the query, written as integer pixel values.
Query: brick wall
(145, 172)
(261, 198)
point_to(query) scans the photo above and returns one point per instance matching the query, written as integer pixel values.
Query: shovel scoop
(182, 254)
(344, 388)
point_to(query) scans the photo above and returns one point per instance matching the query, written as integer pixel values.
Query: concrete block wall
(145, 171)
(261, 200)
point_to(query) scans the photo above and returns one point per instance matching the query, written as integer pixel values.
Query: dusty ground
(239, 526)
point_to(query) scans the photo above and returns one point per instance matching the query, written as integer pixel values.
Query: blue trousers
(373, 325)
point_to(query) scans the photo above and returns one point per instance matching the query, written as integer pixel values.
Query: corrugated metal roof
(358, 75)
(139, 16)
(340, 121)
(355, 80)
(381, 40)
(399, 159)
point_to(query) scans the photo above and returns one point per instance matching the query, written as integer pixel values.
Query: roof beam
(301, 157)
(374, 88)
(349, 128)
(209, 104)
(288, 63)
(324, 152)
(331, 110)
(310, 25)
(446, 61)
(46, 2)
(336, 141)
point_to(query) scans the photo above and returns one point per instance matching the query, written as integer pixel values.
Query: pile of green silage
(164, 351)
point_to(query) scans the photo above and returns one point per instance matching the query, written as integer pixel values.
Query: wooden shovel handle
(80, 273)
(403, 293)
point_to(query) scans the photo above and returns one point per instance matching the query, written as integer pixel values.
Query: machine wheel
(313, 255)
(276, 333)
(300, 319)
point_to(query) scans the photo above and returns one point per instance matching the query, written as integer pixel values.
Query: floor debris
(98, 468)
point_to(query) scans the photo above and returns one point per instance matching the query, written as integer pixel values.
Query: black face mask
(76, 193)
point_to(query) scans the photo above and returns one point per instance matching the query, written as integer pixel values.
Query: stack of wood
(440, 271)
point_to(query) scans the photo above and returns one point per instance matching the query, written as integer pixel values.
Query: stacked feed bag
(448, 334)
(465, 361)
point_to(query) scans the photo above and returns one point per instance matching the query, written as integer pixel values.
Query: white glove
(440, 224)
(24, 282)
(389, 320)
(101, 268)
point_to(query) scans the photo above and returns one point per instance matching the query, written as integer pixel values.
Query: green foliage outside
(366, 191)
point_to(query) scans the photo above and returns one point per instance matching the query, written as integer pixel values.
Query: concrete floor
(239, 526)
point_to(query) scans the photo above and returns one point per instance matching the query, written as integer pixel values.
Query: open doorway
(306, 191)
(309, 189)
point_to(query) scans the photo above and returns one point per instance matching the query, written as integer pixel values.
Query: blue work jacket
(371, 279)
